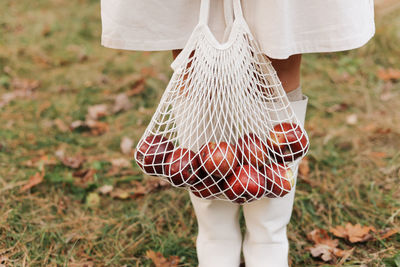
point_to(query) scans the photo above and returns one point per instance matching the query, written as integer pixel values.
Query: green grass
(58, 43)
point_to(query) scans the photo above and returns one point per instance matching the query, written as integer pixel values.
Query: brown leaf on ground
(126, 145)
(389, 74)
(97, 127)
(325, 247)
(97, 111)
(61, 125)
(354, 233)
(121, 193)
(386, 233)
(85, 176)
(42, 160)
(42, 107)
(22, 88)
(160, 261)
(122, 103)
(117, 172)
(337, 108)
(139, 189)
(153, 184)
(377, 157)
(377, 154)
(73, 162)
(8, 97)
(46, 30)
(34, 180)
(24, 84)
(78, 124)
(120, 163)
(322, 251)
(320, 236)
(304, 168)
(105, 189)
(137, 87)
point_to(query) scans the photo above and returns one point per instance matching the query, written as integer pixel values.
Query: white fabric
(265, 243)
(283, 27)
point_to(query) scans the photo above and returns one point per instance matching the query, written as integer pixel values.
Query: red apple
(182, 167)
(206, 187)
(252, 150)
(280, 180)
(246, 183)
(218, 159)
(152, 152)
(287, 142)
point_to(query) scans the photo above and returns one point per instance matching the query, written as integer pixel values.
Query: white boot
(219, 240)
(266, 243)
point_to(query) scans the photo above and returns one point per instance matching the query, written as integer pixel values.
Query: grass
(354, 174)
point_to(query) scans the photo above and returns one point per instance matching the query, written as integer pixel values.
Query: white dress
(282, 27)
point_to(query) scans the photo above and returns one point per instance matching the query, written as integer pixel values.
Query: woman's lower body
(219, 241)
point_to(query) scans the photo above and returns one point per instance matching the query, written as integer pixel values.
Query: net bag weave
(224, 128)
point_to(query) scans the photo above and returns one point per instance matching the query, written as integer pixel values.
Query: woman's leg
(219, 240)
(288, 71)
(265, 242)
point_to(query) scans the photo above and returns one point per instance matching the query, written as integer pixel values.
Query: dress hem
(283, 53)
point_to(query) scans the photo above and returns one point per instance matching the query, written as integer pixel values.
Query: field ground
(52, 69)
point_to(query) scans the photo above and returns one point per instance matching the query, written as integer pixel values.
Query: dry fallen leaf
(77, 124)
(160, 261)
(85, 176)
(139, 189)
(153, 184)
(24, 84)
(137, 88)
(120, 163)
(73, 162)
(120, 193)
(97, 111)
(8, 97)
(34, 180)
(126, 145)
(353, 233)
(122, 103)
(389, 74)
(42, 160)
(323, 251)
(325, 247)
(61, 125)
(105, 189)
(97, 127)
(388, 232)
(337, 108)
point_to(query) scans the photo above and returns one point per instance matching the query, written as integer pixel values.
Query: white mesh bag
(224, 128)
